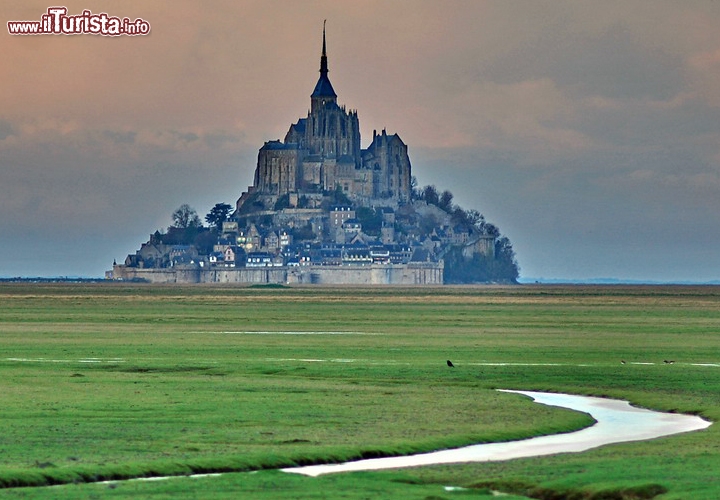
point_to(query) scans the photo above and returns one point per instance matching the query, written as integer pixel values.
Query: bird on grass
(668, 362)
(449, 363)
(622, 361)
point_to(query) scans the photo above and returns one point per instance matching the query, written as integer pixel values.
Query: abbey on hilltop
(322, 152)
(323, 210)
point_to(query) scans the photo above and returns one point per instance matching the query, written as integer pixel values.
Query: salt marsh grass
(112, 381)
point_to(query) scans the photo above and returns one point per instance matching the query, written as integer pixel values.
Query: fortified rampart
(419, 273)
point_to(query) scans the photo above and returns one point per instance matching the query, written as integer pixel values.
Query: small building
(249, 239)
(459, 235)
(339, 214)
(183, 254)
(229, 227)
(258, 259)
(285, 238)
(400, 254)
(229, 255)
(483, 244)
(352, 226)
(388, 215)
(331, 256)
(272, 241)
(356, 256)
(216, 257)
(380, 255)
(387, 234)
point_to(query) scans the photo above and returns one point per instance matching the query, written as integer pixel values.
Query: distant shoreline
(521, 281)
(610, 281)
(58, 279)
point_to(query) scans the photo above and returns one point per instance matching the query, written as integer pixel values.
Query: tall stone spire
(324, 91)
(323, 57)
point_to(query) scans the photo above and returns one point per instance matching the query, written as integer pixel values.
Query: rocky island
(323, 210)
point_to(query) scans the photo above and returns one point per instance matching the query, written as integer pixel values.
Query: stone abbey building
(297, 222)
(322, 152)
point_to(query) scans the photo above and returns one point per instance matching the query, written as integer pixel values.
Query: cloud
(704, 75)
(6, 130)
(77, 178)
(614, 63)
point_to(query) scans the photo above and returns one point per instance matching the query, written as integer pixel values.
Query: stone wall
(165, 275)
(375, 274)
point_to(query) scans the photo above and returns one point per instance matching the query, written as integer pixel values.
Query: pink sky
(588, 131)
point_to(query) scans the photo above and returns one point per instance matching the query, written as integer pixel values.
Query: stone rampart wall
(376, 274)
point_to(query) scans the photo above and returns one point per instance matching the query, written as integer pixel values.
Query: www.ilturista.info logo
(57, 22)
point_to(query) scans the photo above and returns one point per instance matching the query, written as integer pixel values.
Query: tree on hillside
(430, 195)
(218, 214)
(445, 201)
(505, 258)
(185, 228)
(204, 241)
(414, 189)
(303, 233)
(492, 230)
(335, 197)
(370, 219)
(481, 268)
(186, 217)
(475, 218)
(339, 196)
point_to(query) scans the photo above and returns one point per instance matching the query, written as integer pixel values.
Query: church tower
(322, 152)
(331, 132)
(324, 92)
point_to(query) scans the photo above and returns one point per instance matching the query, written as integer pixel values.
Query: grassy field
(114, 381)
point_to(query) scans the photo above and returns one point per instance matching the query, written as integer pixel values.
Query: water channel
(616, 422)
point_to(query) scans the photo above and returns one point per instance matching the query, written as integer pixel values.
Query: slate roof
(323, 87)
(277, 145)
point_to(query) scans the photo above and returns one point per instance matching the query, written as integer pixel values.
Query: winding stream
(616, 422)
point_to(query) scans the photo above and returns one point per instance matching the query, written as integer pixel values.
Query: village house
(258, 259)
(272, 242)
(339, 214)
(229, 256)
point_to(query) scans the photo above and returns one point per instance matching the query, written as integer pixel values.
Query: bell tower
(323, 92)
